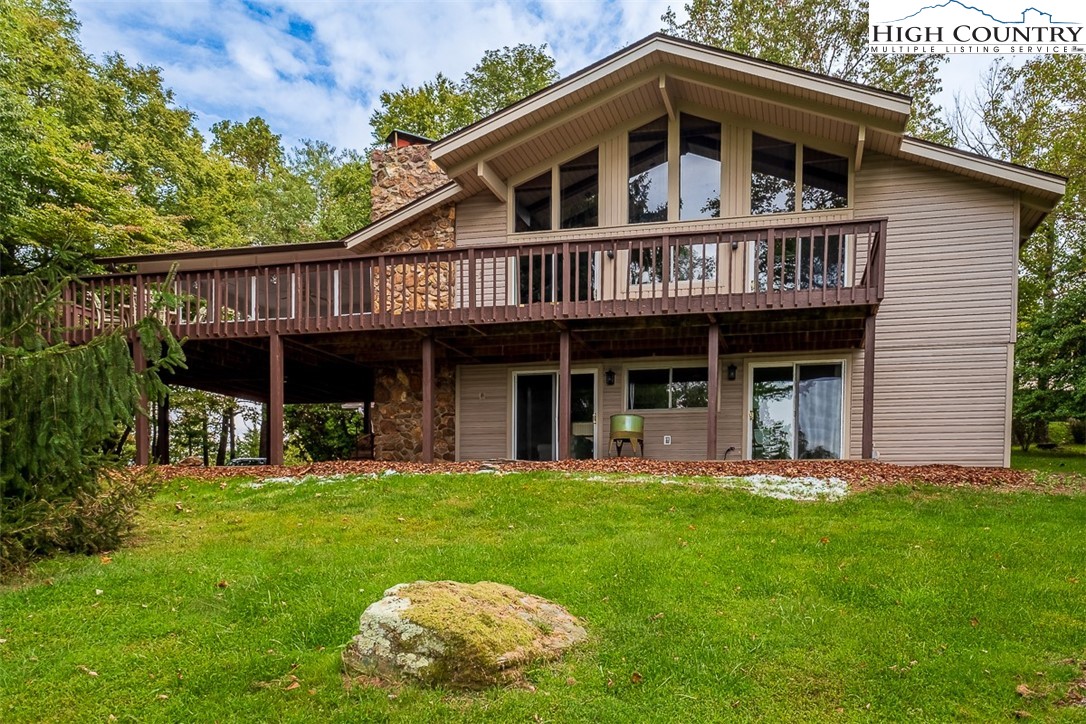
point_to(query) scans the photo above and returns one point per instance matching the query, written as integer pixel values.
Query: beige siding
(485, 409)
(482, 401)
(480, 221)
(943, 330)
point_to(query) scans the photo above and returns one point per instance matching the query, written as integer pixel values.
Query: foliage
(442, 106)
(323, 432)
(59, 407)
(713, 597)
(1035, 115)
(822, 36)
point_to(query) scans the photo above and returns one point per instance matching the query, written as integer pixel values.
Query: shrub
(1077, 429)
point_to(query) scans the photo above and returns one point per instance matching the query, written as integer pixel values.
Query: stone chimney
(402, 172)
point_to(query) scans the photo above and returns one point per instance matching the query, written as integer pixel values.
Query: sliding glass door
(535, 415)
(797, 411)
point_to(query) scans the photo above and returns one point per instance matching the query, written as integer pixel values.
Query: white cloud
(316, 69)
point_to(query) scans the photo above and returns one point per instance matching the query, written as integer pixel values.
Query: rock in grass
(458, 635)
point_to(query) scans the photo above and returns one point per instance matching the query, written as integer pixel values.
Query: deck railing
(736, 270)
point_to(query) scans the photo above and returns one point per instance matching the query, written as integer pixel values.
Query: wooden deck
(730, 271)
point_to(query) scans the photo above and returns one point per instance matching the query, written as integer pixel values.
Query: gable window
(579, 187)
(648, 172)
(825, 180)
(532, 204)
(699, 168)
(823, 177)
(576, 186)
(668, 388)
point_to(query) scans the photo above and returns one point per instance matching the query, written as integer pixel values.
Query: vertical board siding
(944, 326)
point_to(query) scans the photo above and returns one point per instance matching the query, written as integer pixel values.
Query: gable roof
(659, 52)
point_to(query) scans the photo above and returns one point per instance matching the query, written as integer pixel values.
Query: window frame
(554, 168)
(795, 362)
(799, 141)
(670, 367)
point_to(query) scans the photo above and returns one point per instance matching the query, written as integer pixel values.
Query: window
(648, 172)
(688, 262)
(825, 180)
(541, 277)
(577, 191)
(579, 186)
(668, 388)
(699, 168)
(773, 182)
(772, 175)
(532, 204)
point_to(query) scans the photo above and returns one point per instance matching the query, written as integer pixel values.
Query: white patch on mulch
(300, 479)
(805, 488)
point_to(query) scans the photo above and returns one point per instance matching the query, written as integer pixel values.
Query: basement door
(535, 415)
(797, 411)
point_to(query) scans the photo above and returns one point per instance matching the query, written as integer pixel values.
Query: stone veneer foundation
(398, 413)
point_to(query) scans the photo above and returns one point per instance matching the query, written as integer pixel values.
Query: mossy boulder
(458, 635)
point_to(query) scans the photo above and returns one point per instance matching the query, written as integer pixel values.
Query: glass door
(535, 415)
(797, 411)
(772, 410)
(535, 419)
(582, 441)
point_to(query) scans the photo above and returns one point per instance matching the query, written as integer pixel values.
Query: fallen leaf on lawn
(293, 685)
(823, 540)
(1022, 715)
(223, 584)
(571, 681)
(312, 692)
(178, 507)
(974, 622)
(98, 592)
(656, 617)
(106, 560)
(87, 671)
(1025, 691)
(610, 682)
(163, 696)
(636, 677)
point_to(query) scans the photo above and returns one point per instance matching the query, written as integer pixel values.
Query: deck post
(143, 422)
(714, 392)
(162, 450)
(275, 399)
(565, 396)
(427, 399)
(867, 443)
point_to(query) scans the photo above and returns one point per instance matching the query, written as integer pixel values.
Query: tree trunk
(233, 432)
(220, 455)
(205, 443)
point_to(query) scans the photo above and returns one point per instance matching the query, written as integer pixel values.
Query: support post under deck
(427, 399)
(275, 399)
(565, 396)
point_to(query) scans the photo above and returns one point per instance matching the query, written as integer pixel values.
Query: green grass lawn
(899, 604)
(1067, 458)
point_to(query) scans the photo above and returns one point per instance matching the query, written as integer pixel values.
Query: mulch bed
(860, 475)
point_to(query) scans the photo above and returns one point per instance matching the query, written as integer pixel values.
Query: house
(754, 258)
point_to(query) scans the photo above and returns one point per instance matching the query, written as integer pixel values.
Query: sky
(316, 68)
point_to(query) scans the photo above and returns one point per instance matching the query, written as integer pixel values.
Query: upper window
(532, 204)
(579, 186)
(699, 168)
(576, 185)
(648, 172)
(667, 388)
(773, 183)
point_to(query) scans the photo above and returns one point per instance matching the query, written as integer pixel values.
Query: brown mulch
(860, 475)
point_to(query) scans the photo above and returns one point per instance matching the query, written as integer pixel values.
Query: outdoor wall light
(609, 377)
(735, 245)
(732, 370)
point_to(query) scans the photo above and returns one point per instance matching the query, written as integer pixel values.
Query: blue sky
(315, 68)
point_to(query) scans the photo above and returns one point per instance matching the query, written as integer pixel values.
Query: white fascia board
(1048, 185)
